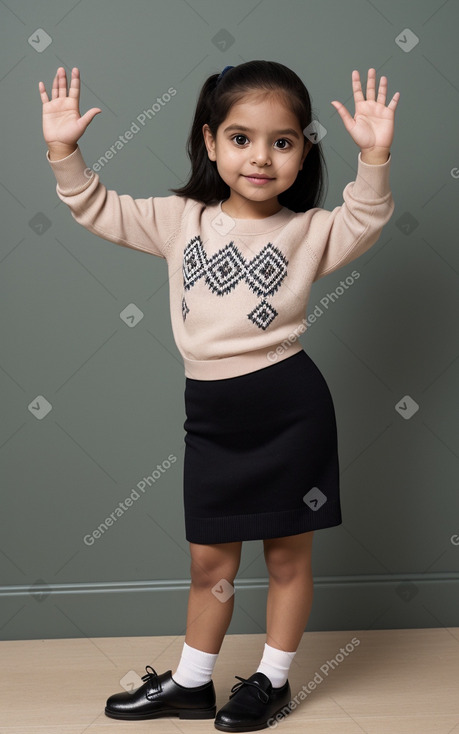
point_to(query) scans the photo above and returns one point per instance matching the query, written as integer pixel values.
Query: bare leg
(290, 591)
(209, 617)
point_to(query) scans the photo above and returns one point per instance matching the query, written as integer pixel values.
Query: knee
(282, 568)
(282, 573)
(209, 566)
(289, 558)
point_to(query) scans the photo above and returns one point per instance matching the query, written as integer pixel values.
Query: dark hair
(214, 103)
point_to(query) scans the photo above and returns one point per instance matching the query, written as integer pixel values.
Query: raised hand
(62, 122)
(372, 126)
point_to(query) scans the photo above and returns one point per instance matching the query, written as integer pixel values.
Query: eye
(244, 137)
(285, 141)
(239, 135)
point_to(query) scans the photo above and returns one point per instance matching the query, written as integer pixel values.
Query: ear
(307, 148)
(209, 142)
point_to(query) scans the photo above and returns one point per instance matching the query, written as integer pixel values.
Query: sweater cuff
(372, 181)
(72, 174)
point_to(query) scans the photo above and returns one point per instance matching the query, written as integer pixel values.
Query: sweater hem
(260, 526)
(239, 364)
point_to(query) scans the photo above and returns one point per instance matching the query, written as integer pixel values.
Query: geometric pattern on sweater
(224, 270)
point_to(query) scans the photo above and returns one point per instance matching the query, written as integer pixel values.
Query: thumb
(89, 116)
(348, 121)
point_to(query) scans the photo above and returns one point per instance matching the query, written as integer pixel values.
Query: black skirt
(261, 454)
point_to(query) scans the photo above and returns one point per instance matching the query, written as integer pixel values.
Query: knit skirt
(261, 454)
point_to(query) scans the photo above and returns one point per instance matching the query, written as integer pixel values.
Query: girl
(244, 240)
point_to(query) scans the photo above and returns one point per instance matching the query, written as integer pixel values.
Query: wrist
(57, 151)
(375, 156)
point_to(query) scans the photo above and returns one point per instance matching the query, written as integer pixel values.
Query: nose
(260, 155)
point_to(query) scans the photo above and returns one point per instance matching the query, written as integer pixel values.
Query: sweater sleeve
(141, 224)
(335, 238)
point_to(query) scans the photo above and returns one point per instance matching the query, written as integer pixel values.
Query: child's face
(269, 147)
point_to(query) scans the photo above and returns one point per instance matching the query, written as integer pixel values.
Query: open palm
(62, 122)
(372, 126)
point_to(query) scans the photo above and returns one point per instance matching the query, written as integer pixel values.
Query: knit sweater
(238, 288)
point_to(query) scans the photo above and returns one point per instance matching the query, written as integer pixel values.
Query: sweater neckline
(253, 226)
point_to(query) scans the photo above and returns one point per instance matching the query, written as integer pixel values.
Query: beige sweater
(238, 288)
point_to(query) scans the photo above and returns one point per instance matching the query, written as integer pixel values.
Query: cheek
(292, 164)
(231, 157)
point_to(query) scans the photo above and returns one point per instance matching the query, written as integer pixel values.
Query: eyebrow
(287, 131)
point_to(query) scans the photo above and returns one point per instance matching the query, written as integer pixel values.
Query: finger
(74, 89)
(393, 103)
(371, 79)
(43, 94)
(382, 90)
(357, 87)
(371, 84)
(62, 82)
(89, 115)
(55, 92)
(343, 113)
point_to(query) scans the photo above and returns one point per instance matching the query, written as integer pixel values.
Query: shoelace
(237, 686)
(151, 677)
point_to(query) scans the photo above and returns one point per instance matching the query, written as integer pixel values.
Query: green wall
(116, 393)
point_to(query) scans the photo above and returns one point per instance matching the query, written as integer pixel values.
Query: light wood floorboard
(401, 681)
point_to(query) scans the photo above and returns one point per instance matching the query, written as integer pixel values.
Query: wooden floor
(401, 681)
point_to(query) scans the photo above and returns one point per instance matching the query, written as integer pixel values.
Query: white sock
(275, 664)
(195, 667)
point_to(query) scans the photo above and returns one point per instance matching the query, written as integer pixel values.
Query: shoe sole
(245, 727)
(209, 713)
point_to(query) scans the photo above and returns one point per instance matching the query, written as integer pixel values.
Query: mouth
(258, 178)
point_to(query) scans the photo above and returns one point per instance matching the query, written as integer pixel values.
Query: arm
(148, 225)
(143, 224)
(354, 227)
(336, 238)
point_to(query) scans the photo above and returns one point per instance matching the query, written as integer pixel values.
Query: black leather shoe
(159, 696)
(253, 705)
